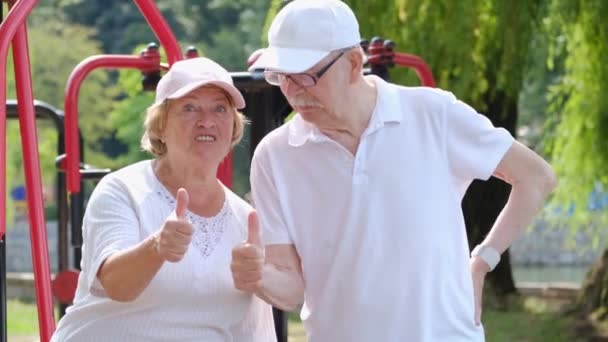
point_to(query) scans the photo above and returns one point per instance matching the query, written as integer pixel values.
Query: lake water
(574, 274)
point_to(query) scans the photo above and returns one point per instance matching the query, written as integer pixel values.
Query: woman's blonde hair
(156, 120)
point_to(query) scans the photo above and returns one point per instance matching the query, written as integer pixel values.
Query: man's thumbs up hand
(253, 229)
(248, 258)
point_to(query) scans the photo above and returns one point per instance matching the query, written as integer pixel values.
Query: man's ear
(355, 59)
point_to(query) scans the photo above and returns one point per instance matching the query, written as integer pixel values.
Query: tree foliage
(540, 61)
(578, 101)
(128, 114)
(478, 50)
(579, 108)
(51, 64)
(227, 30)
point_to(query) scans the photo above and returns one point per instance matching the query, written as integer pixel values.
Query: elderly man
(359, 195)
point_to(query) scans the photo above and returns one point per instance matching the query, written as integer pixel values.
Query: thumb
(253, 229)
(181, 203)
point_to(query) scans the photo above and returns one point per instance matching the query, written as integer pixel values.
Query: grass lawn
(22, 318)
(530, 319)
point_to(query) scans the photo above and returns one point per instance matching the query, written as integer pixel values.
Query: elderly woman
(158, 234)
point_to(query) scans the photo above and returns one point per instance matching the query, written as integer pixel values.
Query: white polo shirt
(381, 234)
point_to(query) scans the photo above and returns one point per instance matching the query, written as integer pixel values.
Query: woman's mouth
(207, 138)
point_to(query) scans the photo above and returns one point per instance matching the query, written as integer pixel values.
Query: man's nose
(289, 87)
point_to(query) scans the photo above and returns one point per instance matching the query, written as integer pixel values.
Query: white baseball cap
(306, 31)
(189, 74)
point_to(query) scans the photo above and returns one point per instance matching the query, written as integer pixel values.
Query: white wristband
(487, 254)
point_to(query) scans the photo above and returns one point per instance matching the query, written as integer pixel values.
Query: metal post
(15, 17)
(267, 108)
(62, 220)
(33, 183)
(3, 318)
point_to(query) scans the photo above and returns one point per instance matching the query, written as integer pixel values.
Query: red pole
(15, 17)
(166, 38)
(161, 29)
(72, 146)
(33, 184)
(419, 65)
(224, 171)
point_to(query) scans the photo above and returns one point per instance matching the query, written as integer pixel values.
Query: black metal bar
(76, 213)
(280, 324)
(3, 316)
(46, 111)
(77, 209)
(267, 108)
(63, 247)
(94, 174)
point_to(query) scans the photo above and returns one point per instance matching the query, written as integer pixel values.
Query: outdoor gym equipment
(266, 107)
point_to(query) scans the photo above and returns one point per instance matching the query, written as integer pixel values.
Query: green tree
(476, 49)
(228, 31)
(579, 39)
(118, 24)
(127, 115)
(503, 57)
(579, 149)
(51, 64)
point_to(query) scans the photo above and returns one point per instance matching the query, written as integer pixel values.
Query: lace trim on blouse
(208, 231)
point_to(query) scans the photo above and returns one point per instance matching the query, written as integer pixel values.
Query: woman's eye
(189, 108)
(220, 109)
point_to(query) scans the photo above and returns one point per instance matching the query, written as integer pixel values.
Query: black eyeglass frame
(268, 74)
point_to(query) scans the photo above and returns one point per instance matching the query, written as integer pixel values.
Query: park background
(538, 68)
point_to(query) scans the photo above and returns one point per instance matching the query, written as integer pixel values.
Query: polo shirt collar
(388, 106)
(386, 110)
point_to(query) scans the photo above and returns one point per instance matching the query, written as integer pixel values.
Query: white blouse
(191, 300)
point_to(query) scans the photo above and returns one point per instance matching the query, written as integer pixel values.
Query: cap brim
(237, 97)
(288, 60)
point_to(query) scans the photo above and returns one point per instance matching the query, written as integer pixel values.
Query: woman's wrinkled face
(199, 126)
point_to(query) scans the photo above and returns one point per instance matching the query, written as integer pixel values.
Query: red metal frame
(84, 68)
(161, 29)
(15, 17)
(419, 65)
(14, 28)
(409, 61)
(167, 39)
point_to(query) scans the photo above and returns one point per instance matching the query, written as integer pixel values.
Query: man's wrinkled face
(316, 103)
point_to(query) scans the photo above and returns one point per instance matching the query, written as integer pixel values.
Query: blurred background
(538, 68)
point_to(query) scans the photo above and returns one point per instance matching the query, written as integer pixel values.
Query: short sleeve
(110, 225)
(266, 199)
(474, 146)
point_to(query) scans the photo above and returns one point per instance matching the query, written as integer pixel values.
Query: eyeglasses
(302, 79)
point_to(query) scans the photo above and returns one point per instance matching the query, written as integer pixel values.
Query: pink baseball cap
(306, 31)
(189, 74)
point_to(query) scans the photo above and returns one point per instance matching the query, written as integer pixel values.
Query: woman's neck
(204, 189)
